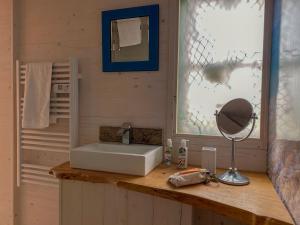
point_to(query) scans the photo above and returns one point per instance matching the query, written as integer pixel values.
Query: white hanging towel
(129, 32)
(36, 109)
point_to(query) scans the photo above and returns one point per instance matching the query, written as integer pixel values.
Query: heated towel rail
(40, 149)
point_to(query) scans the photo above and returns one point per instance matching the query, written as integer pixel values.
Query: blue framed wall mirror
(130, 39)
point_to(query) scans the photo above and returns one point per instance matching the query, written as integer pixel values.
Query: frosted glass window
(220, 59)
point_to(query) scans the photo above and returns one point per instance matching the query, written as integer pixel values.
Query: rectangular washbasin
(117, 158)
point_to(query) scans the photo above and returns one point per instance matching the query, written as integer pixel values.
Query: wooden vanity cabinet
(86, 203)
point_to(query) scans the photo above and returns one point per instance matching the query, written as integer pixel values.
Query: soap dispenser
(168, 152)
(183, 155)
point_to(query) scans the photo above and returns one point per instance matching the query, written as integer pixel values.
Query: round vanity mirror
(232, 119)
(235, 116)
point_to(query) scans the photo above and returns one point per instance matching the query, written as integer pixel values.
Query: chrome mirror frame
(232, 176)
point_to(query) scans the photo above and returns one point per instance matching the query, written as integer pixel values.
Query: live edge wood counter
(254, 204)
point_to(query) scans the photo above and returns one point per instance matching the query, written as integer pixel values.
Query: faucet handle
(126, 125)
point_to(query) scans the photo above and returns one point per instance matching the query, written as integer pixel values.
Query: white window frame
(197, 141)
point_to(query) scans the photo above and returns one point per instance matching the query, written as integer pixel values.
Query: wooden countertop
(254, 204)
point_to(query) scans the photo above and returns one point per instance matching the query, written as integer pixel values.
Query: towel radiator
(40, 149)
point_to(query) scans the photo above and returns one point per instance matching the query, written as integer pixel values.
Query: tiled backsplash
(147, 136)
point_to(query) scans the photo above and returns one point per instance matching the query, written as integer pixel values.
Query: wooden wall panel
(186, 214)
(105, 98)
(115, 205)
(55, 30)
(92, 203)
(166, 212)
(71, 203)
(140, 209)
(6, 114)
(84, 203)
(206, 217)
(36, 201)
(122, 206)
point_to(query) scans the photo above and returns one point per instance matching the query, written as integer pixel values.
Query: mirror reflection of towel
(129, 32)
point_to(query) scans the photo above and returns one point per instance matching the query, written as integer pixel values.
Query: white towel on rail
(129, 32)
(36, 108)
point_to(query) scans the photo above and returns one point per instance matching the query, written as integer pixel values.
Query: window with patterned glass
(220, 59)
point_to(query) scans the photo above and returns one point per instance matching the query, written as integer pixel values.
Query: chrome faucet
(125, 132)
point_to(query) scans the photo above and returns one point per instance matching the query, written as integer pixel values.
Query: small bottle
(208, 159)
(168, 153)
(183, 155)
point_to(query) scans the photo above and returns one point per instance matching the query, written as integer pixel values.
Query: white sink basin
(118, 158)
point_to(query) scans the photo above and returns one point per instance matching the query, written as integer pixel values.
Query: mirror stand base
(233, 177)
